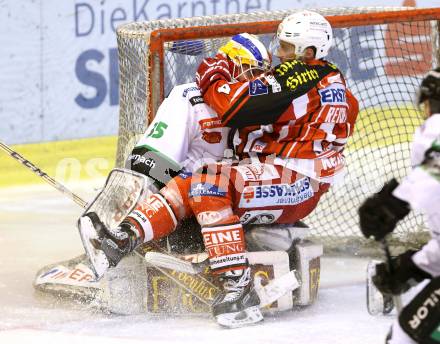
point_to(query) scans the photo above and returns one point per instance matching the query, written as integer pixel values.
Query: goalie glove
(404, 276)
(380, 212)
(211, 70)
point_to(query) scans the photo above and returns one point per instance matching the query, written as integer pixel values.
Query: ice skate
(239, 304)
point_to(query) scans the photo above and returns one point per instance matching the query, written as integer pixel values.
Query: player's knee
(211, 204)
(176, 192)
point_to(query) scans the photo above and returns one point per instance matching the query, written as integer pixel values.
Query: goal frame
(160, 37)
(144, 58)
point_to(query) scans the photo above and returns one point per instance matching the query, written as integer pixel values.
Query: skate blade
(249, 316)
(97, 258)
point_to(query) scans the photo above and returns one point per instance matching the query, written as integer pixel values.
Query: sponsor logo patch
(333, 94)
(208, 217)
(257, 172)
(257, 88)
(185, 175)
(80, 275)
(189, 89)
(276, 195)
(210, 123)
(196, 100)
(206, 189)
(258, 146)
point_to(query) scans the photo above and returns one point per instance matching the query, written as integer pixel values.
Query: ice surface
(37, 227)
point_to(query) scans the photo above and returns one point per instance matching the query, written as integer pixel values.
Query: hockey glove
(405, 275)
(119, 242)
(213, 69)
(380, 212)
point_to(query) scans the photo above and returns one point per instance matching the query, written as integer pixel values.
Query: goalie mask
(299, 31)
(430, 90)
(249, 56)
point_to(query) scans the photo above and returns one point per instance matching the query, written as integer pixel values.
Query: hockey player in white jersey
(167, 155)
(419, 320)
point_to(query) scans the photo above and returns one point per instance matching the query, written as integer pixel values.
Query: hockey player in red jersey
(169, 168)
(419, 320)
(312, 121)
(291, 124)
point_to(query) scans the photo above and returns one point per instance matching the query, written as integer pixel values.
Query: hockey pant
(222, 198)
(227, 196)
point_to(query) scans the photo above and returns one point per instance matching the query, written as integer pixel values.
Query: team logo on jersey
(257, 88)
(333, 94)
(196, 100)
(206, 189)
(276, 195)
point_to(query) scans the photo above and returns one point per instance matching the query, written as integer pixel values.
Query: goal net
(383, 52)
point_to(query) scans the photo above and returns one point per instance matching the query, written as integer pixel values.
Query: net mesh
(383, 65)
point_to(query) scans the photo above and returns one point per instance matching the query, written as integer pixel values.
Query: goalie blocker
(134, 287)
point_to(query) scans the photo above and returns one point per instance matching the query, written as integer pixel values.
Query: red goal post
(384, 52)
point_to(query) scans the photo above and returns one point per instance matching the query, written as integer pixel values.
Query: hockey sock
(153, 218)
(226, 247)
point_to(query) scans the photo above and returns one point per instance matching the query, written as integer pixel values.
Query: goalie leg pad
(305, 258)
(420, 319)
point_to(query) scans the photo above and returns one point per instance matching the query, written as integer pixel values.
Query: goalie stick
(78, 200)
(377, 302)
(268, 294)
(396, 298)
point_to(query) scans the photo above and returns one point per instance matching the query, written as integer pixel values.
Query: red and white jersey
(301, 113)
(186, 130)
(421, 189)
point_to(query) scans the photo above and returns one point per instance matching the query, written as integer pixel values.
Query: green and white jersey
(186, 131)
(421, 189)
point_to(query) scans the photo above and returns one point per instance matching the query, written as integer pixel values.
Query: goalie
(285, 182)
(419, 320)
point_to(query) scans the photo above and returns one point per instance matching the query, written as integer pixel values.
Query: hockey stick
(396, 298)
(268, 294)
(78, 200)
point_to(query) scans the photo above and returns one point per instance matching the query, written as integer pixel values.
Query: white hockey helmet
(304, 29)
(247, 53)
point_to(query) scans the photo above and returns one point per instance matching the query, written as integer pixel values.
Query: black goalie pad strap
(152, 164)
(420, 319)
